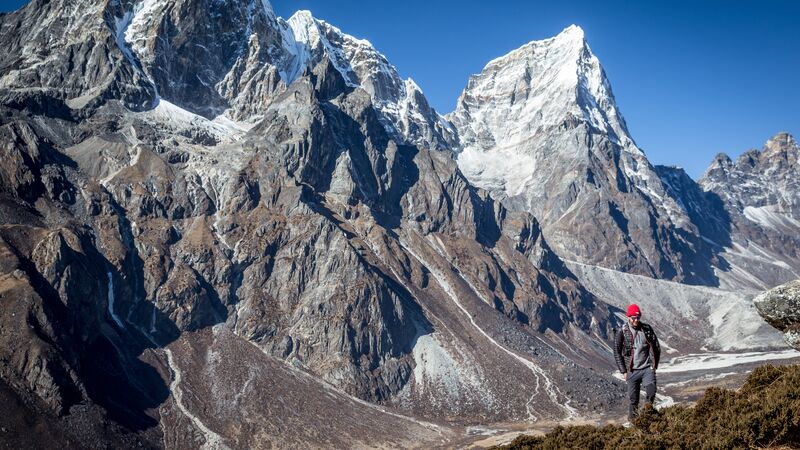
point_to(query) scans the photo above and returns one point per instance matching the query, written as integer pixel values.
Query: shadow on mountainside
(68, 346)
(715, 227)
(700, 254)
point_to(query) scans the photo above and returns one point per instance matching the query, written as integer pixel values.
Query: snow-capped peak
(781, 143)
(302, 22)
(572, 36)
(545, 82)
(533, 119)
(314, 42)
(404, 112)
(573, 32)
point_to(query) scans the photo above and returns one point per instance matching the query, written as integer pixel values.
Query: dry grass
(764, 413)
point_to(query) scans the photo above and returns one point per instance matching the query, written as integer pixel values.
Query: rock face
(46, 40)
(270, 186)
(780, 307)
(203, 205)
(402, 107)
(205, 56)
(760, 192)
(540, 129)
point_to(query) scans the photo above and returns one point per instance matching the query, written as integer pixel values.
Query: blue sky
(692, 78)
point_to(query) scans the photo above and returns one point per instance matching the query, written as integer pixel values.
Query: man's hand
(626, 375)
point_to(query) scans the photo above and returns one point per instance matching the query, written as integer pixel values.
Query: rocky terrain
(760, 195)
(223, 229)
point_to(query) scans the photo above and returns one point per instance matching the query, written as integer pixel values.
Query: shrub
(765, 412)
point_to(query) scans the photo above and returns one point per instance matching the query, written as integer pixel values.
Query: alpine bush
(764, 413)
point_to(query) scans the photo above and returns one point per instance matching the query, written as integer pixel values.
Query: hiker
(637, 351)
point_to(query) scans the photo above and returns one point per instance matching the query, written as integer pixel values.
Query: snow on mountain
(36, 39)
(406, 114)
(511, 106)
(135, 31)
(539, 84)
(770, 216)
(231, 59)
(759, 178)
(539, 127)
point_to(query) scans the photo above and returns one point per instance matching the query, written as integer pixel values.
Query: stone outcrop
(780, 307)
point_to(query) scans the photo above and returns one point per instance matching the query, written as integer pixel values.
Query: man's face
(634, 320)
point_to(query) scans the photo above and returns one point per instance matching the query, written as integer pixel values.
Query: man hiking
(636, 351)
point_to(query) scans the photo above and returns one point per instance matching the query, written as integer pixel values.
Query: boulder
(780, 307)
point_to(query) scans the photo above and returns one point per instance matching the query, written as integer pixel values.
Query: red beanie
(634, 310)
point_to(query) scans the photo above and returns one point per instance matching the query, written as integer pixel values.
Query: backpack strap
(629, 341)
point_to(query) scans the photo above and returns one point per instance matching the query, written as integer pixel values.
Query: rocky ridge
(403, 109)
(761, 195)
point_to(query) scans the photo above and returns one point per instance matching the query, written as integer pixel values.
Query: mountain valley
(220, 228)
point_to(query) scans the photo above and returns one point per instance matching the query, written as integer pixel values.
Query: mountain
(403, 109)
(221, 228)
(760, 192)
(540, 129)
(198, 183)
(208, 57)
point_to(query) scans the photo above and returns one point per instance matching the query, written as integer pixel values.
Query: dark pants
(637, 379)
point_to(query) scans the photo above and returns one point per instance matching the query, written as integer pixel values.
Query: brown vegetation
(764, 413)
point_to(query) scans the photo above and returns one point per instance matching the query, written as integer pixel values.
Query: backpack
(627, 339)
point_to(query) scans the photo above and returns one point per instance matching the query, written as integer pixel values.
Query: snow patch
(701, 379)
(663, 401)
(135, 33)
(501, 169)
(707, 361)
(121, 25)
(771, 217)
(173, 116)
(111, 301)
